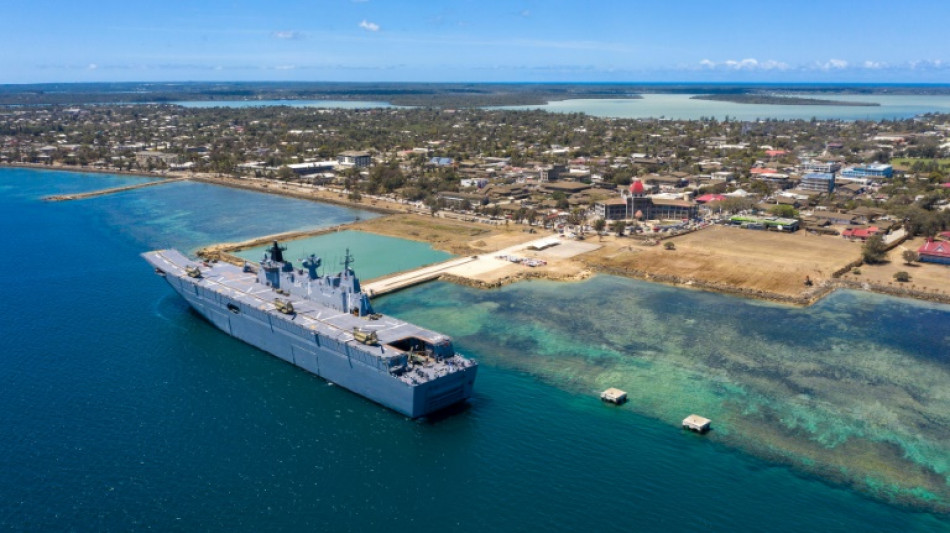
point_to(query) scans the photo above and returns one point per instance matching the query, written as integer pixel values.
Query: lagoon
(375, 255)
(322, 104)
(682, 107)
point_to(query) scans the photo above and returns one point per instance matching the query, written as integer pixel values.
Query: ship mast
(347, 261)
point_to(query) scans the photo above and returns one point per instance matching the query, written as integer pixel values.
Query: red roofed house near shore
(935, 252)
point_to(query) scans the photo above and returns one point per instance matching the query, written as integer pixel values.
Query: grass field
(905, 163)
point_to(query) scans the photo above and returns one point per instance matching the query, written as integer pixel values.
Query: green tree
(618, 227)
(783, 210)
(599, 225)
(909, 256)
(284, 173)
(874, 250)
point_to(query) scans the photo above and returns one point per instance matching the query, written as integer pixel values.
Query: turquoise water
(682, 107)
(376, 255)
(120, 409)
(29, 184)
(325, 104)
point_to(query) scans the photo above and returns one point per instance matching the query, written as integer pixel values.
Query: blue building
(818, 181)
(874, 170)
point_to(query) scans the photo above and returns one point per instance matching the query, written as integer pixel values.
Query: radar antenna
(277, 252)
(347, 260)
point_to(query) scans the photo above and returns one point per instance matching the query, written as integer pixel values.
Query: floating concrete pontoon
(696, 423)
(614, 396)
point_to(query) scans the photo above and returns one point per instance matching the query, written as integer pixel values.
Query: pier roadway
(413, 277)
(103, 192)
(471, 267)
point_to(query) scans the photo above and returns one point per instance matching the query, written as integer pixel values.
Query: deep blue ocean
(120, 409)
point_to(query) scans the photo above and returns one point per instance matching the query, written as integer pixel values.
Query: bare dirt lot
(453, 236)
(924, 277)
(733, 257)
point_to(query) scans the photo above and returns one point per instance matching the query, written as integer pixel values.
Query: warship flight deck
(326, 325)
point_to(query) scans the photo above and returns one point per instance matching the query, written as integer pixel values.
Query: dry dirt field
(453, 236)
(747, 259)
(926, 277)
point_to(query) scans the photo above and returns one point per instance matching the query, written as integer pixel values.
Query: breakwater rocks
(900, 290)
(805, 298)
(513, 278)
(292, 192)
(103, 192)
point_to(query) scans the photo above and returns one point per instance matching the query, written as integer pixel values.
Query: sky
(475, 40)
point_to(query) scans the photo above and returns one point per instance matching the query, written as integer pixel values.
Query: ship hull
(330, 360)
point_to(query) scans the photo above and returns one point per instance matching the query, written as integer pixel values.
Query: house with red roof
(861, 234)
(935, 252)
(707, 198)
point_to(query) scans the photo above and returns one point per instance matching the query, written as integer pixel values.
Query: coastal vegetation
(774, 99)
(426, 94)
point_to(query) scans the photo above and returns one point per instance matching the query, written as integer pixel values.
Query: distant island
(772, 99)
(444, 95)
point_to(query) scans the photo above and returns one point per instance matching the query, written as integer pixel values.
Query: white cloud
(926, 64)
(832, 64)
(287, 35)
(285, 67)
(369, 26)
(525, 13)
(744, 64)
(874, 65)
(92, 66)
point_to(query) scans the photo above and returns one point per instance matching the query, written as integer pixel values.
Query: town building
(313, 167)
(354, 159)
(634, 203)
(765, 223)
(935, 252)
(827, 167)
(818, 181)
(875, 170)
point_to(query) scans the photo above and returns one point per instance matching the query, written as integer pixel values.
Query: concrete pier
(103, 192)
(472, 267)
(403, 280)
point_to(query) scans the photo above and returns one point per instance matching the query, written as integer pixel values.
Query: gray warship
(326, 325)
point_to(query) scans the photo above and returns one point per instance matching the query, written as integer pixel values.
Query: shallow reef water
(121, 409)
(854, 388)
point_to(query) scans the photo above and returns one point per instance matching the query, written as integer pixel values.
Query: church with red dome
(635, 203)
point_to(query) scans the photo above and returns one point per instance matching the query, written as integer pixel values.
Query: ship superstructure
(324, 324)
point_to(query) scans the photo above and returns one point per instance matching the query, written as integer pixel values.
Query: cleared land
(924, 277)
(449, 235)
(751, 260)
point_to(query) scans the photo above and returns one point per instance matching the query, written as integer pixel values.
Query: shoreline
(581, 269)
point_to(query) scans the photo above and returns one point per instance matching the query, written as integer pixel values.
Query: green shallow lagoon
(855, 389)
(375, 255)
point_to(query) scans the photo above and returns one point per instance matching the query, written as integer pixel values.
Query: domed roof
(636, 187)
